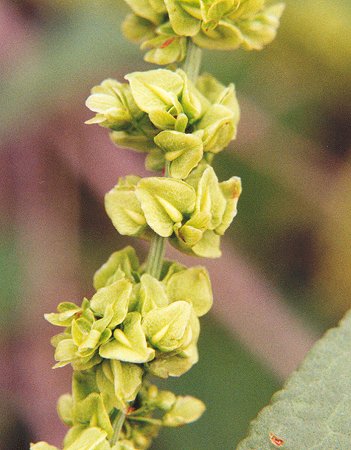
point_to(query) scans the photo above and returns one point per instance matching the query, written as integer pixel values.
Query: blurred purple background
(285, 272)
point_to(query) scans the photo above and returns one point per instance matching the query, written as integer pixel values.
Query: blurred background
(284, 277)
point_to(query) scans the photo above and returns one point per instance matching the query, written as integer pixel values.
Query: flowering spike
(144, 318)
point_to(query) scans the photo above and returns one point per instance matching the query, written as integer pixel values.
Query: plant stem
(191, 67)
(192, 61)
(156, 254)
(117, 426)
(154, 262)
(157, 248)
(146, 420)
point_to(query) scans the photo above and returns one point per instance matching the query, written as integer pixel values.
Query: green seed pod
(168, 113)
(121, 264)
(211, 24)
(129, 344)
(185, 410)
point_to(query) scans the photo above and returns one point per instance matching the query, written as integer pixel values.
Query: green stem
(117, 426)
(157, 249)
(146, 420)
(154, 262)
(191, 67)
(156, 254)
(192, 61)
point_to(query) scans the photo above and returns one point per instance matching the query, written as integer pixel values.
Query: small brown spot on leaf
(276, 441)
(167, 42)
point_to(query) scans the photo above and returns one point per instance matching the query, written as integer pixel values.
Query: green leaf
(183, 150)
(166, 327)
(164, 201)
(190, 234)
(65, 351)
(215, 92)
(165, 400)
(215, 10)
(192, 285)
(158, 5)
(209, 86)
(130, 344)
(312, 411)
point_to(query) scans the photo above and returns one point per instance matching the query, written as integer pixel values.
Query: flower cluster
(162, 113)
(91, 408)
(143, 319)
(162, 26)
(135, 318)
(194, 213)
(133, 325)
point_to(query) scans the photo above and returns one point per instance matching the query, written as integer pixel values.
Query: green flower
(78, 345)
(128, 343)
(151, 10)
(172, 119)
(109, 103)
(194, 213)
(185, 410)
(167, 328)
(165, 46)
(123, 207)
(214, 211)
(116, 109)
(174, 410)
(91, 326)
(121, 264)
(200, 294)
(119, 383)
(95, 395)
(211, 24)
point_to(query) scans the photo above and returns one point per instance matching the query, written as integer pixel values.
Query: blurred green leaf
(313, 409)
